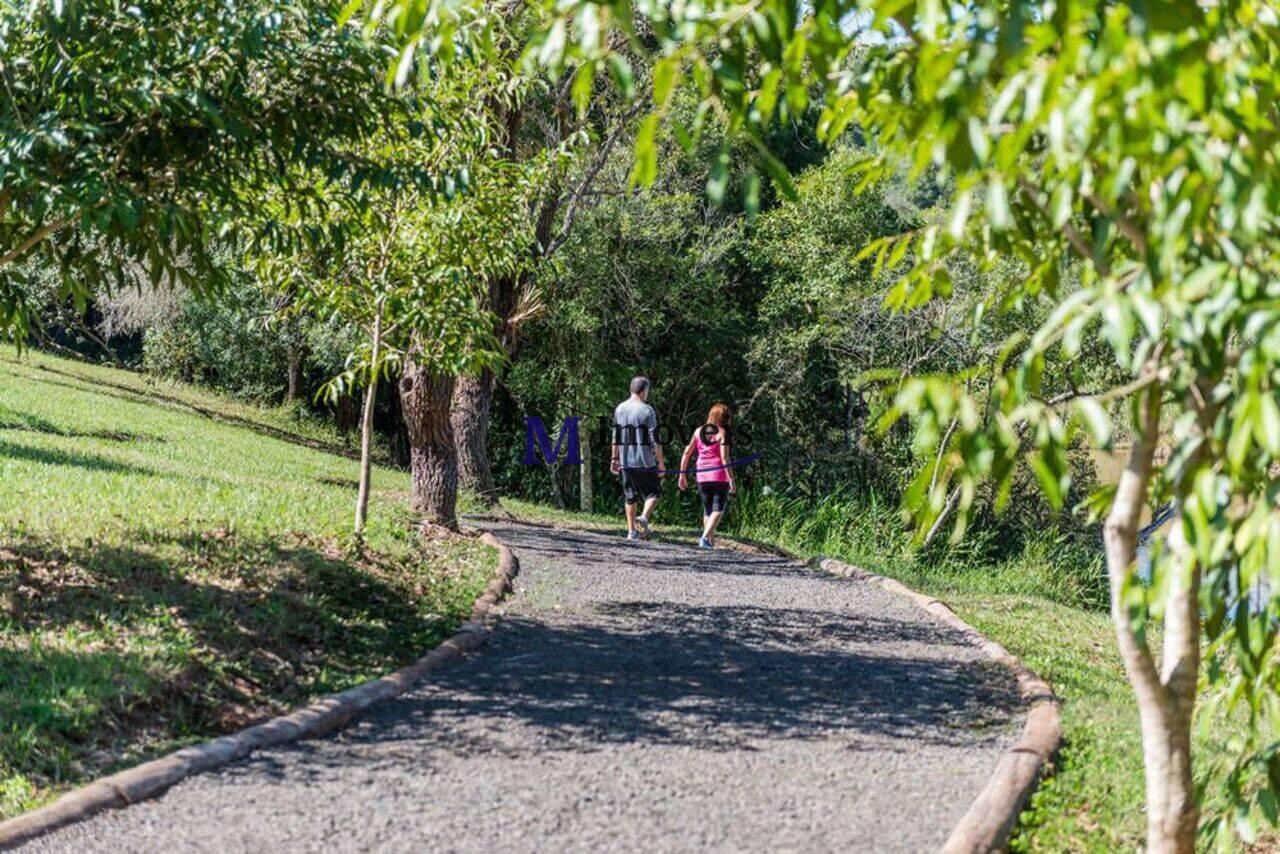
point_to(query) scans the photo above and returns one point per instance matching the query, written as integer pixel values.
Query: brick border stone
(317, 718)
(990, 819)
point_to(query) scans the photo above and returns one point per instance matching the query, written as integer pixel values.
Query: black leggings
(715, 497)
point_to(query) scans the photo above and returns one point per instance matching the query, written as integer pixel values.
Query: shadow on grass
(341, 482)
(78, 459)
(26, 422)
(120, 391)
(178, 636)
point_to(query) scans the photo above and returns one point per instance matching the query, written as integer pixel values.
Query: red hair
(719, 415)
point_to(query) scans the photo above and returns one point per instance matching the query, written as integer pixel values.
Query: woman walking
(710, 444)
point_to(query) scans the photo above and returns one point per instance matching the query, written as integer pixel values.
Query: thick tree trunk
(425, 397)
(472, 400)
(1166, 696)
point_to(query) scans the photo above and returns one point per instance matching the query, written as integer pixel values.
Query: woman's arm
(684, 462)
(724, 459)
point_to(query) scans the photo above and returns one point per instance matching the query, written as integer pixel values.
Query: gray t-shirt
(635, 426)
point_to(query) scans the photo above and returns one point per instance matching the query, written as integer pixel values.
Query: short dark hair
(639, 385)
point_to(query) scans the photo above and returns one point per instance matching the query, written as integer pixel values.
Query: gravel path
(635, 696)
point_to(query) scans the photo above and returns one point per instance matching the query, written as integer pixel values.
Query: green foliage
(825, 344)
(1060, 565)
(1137, 140)
(241, 344)
(650, 283)
(136, 134)
(646, 284)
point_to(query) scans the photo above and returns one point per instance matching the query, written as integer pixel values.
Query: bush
(1060, 562)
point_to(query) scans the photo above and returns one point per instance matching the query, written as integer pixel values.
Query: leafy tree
(129, 134)
(648, 284)
(230, 343)
(825, 342)
(400, 268)
(404, 281)
(536, 122)
(1140, 142)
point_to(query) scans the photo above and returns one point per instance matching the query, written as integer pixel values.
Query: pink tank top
(710, 466)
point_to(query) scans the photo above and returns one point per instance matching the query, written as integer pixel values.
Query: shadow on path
(708, 678)
(634, 697)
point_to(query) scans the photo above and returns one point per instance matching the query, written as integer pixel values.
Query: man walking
(638, 456)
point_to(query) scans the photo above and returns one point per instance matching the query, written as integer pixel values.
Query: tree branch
(34, 240)
(1074, 237)
(1126, 225)
(589, 177)
(953, 501)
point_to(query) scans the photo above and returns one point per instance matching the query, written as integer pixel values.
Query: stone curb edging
(317, 718)
(990, 819)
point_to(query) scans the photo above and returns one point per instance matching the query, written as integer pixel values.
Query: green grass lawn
(175, 565)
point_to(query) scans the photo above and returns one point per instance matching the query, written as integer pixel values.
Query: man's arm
(615, 461)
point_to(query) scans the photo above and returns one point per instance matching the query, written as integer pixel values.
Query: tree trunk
(472, 399)
(586, 494)
(425, 397)
(366, 434)
(1166, 697)
(557, 494)
(297, 357)
(366, 430)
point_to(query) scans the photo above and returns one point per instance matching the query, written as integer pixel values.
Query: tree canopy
(140, 133)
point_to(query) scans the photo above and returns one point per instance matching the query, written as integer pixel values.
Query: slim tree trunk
(366, 429)
(472, 400)
(425, 396)
(1173, 807)
(1166, 696)
(586, 495)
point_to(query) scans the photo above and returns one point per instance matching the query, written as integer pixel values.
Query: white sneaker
(633, 535)
(643, 524)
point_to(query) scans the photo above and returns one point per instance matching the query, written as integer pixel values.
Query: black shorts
(715, 497)
(639, 484)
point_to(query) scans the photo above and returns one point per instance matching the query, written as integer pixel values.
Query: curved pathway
(635, 696)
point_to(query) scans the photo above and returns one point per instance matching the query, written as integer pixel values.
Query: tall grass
(868, 531)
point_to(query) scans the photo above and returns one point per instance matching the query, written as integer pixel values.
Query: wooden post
(586, 495)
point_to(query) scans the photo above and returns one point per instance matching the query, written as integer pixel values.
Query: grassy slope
(172, 564)
(1094, 800)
